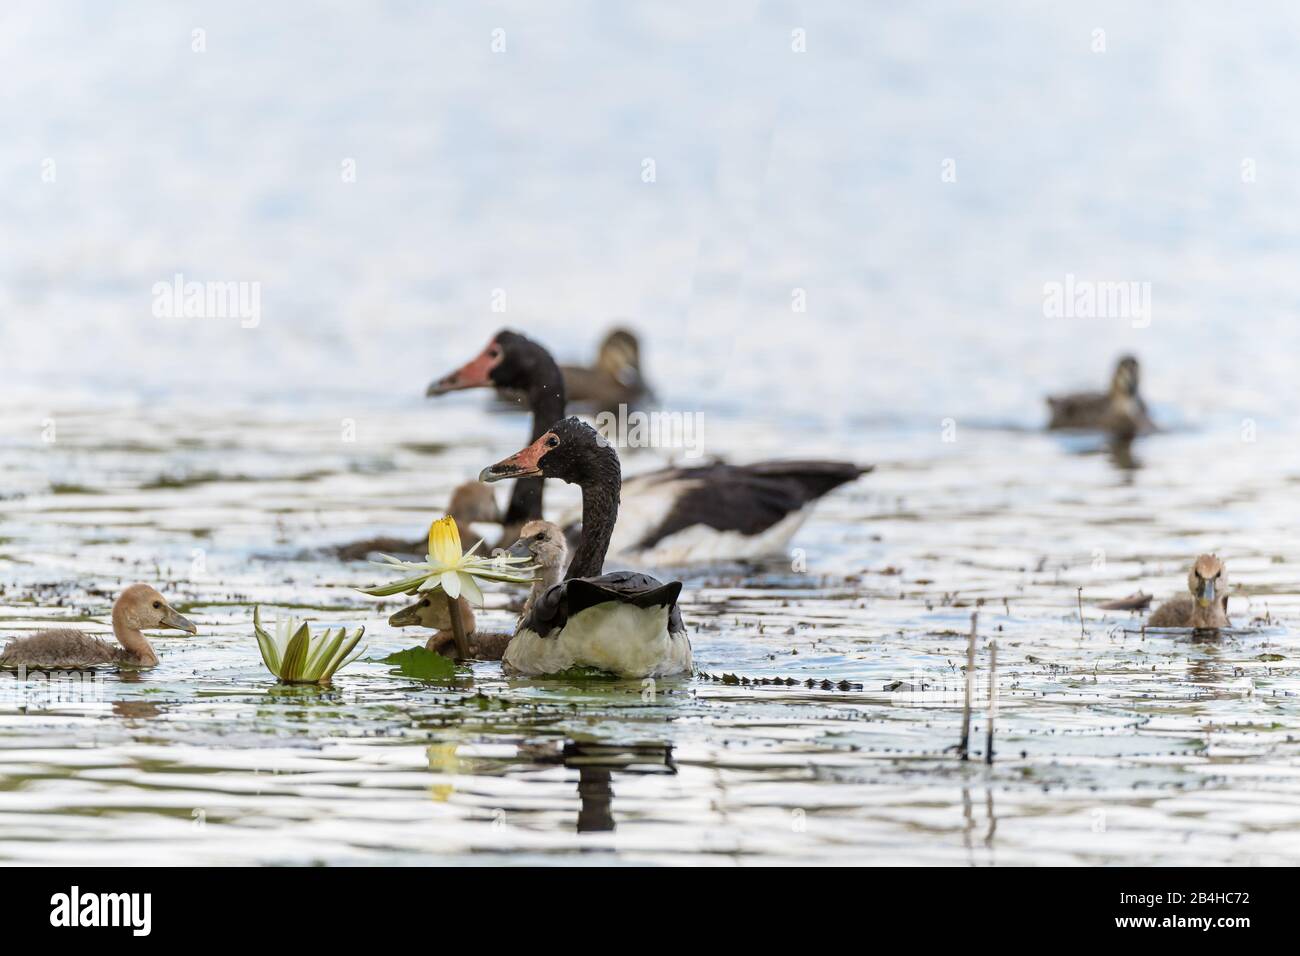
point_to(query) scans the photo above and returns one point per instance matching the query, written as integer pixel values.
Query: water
(214, 460)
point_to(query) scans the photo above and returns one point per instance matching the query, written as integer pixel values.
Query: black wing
(561, 601)
(746, 498)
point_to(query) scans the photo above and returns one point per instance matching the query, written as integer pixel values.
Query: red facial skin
(477, 373)
(521, 464)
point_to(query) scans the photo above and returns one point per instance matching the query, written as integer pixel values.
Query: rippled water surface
(1112, 745)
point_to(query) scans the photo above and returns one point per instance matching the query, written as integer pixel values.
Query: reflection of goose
(597, 763)
(625, 622)
(715, 512)
(539, 540)
(139, 607)
(1119, 411)
(470, 503)
(1206, 603)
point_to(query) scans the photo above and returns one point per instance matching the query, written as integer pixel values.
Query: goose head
(570, 450)
(141, 608)
(1125, 380)
(1208, 580)
(544, 543)
(509, 360)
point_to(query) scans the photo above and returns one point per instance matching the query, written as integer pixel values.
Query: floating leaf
(422, 664)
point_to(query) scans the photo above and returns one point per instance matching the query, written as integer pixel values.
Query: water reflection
(597, 763)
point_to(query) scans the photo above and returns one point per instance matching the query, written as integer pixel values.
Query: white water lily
(450, 571)
(297, 656)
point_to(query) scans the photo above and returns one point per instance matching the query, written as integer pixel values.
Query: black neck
(545, 392)
(600, 492)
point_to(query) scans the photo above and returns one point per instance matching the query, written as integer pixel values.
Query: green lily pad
(422, 664)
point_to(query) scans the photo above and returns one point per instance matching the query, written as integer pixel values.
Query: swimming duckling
(1120, 411)
(470, 502)
(1206, 606)
(139, 607)
(540, 540)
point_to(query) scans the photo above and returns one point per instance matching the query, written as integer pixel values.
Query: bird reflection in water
(597, 763)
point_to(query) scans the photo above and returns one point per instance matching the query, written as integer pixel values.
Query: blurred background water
(207, 456)
(775, 170)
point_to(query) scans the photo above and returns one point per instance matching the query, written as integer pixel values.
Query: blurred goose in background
(1119, 411)
(1206, 603)
(541, 541)
(614, 380)
(139, 607)
(512, 361)
(625, 622)
(470, 502)
(675, 515)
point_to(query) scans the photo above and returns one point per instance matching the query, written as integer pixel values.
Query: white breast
(619, 638)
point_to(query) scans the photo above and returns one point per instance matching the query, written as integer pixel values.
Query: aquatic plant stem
(970, 688)
(1082, 632)
(457, 628)
(993, 699)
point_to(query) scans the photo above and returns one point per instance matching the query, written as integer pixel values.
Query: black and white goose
(512, 363)
(678, 515)
(624, 622)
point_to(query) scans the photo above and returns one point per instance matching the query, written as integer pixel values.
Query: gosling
(139, 607)
(1206, 604)
(541, 541)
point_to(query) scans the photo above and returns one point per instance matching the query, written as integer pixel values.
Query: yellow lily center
(444, 542)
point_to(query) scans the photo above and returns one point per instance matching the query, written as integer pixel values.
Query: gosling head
(620, 357)
(423, 613)
(1208, 580)
(543, 542)
(142, 608)
(473, 501)
(1125, 380)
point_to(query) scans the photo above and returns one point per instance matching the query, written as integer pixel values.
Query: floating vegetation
(296, 656)
(423, 664)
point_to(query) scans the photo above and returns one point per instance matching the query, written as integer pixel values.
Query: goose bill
(477, 373)
(522, 464)
(406, 617)
(174, 620)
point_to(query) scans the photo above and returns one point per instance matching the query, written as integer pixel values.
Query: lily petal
(451, 584)
(469, 587)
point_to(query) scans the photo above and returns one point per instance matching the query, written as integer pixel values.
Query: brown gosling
(1206, 603)
(541, 541)
(1119, 411)
(139, 607)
